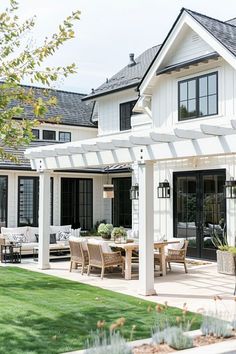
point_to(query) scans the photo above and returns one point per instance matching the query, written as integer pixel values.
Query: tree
(18, 63)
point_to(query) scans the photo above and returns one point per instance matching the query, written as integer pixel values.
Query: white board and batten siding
(165, 97)
(188, 46)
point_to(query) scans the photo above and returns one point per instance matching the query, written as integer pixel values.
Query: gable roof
(129, 76)
(70, 107)
(223, 32)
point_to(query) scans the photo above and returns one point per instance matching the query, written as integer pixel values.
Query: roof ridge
(211, 18)
(51, 89)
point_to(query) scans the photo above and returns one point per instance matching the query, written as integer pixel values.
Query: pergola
(145, 149)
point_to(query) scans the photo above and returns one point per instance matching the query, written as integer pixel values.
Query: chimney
(132, 62)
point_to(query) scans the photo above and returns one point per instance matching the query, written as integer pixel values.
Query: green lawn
(45, 315)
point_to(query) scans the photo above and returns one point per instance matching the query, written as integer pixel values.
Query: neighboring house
(173, 108)
(19, 185)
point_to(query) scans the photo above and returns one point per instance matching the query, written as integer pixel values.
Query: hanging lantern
(163, 190)
(134, 192)
(230, 189)
(108, 191)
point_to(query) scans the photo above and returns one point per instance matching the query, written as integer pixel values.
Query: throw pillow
(19, 238)
(63, 236)
(52, 238)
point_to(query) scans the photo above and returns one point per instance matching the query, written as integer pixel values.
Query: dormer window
(125, 115)
(198, 97)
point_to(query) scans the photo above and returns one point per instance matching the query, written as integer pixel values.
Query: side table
(11, 253)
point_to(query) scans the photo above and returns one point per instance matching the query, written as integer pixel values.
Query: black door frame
(76, 215)
(113, 201)
(200, 251)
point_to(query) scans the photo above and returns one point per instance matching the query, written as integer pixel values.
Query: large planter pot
(225, 262)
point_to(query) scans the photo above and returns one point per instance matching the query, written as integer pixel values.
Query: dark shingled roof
(70, 107)
(23, 163)
(129, 76)
(224, 32)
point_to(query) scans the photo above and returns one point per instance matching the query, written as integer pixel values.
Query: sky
(109, 30)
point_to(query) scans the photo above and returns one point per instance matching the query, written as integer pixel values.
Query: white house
(182, 137)
(19, 184)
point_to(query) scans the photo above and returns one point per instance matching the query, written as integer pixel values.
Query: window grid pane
(198, 97)
(65, 137)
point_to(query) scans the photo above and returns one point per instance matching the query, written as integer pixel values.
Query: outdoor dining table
(134, 246)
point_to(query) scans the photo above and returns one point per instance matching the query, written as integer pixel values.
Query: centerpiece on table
(119, 235)
(105, 231)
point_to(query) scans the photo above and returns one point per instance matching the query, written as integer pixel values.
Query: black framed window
(65, 137)
(35, 132)
(198, 97)
(3, 200)
(49, 135)
(28, 201)
(125, 114)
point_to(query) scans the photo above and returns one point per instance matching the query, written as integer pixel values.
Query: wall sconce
(163, 189)
(230, 189)
(134, 192)
(108, 191)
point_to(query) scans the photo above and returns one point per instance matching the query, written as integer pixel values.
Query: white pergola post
(146, 228)
(44, 220)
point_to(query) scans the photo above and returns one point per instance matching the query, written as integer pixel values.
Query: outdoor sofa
(27, 236)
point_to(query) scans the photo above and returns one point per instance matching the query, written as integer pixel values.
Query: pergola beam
(90, 147)
(120, 143)
(188, 134)
(105, 145)
(140, 140)
(163, 138)
(216, 130)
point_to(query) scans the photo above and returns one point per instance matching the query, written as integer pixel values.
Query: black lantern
(230, 189)
(108, 191)
(163, 190)
(134, 192)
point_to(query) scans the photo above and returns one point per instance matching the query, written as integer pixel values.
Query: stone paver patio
(197, 288)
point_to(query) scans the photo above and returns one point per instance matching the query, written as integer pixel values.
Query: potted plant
(105, 230)
(119, 234)
(225, 255)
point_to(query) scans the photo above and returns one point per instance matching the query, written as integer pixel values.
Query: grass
(42, 314)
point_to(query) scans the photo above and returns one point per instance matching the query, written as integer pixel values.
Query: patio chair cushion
(16, 234)
(82, 240)
(177, 246)
(105, 246)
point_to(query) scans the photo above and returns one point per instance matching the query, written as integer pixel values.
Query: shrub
(212, 326)
(100, 343)
(174, 337)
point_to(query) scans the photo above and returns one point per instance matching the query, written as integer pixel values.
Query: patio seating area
(197, 288)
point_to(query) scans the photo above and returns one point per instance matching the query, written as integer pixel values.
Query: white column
(146, 228)
(44, 219)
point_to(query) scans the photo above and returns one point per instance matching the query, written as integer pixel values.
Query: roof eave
(105, 93)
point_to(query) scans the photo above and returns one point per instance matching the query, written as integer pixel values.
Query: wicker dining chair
(79, 256)
(178, 256)
(100, 259)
